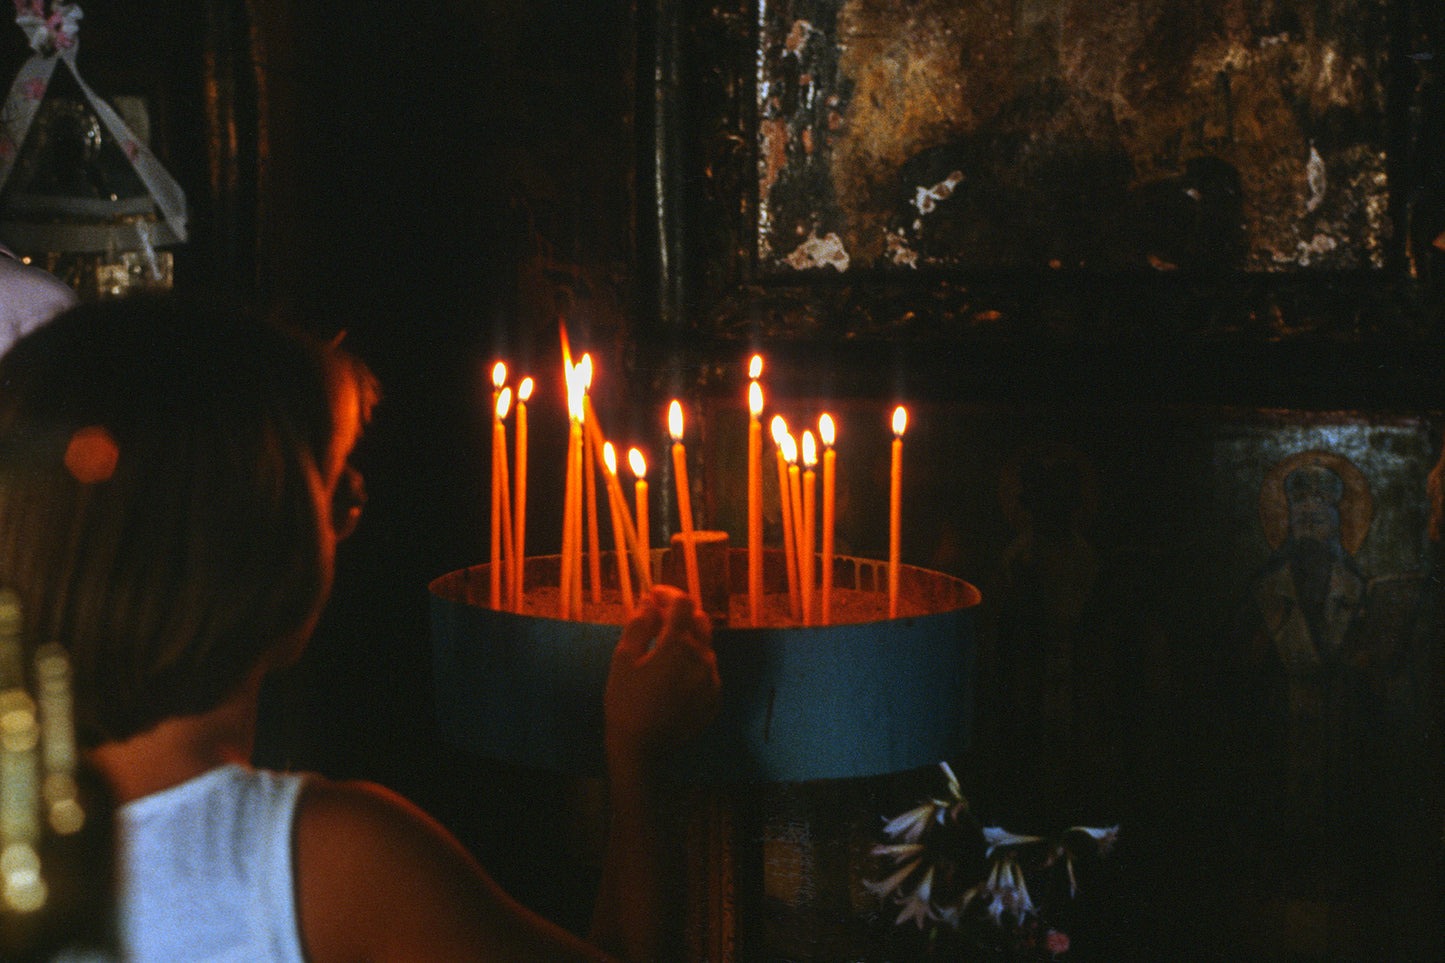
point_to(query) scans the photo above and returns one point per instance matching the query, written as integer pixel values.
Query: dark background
(442, 180)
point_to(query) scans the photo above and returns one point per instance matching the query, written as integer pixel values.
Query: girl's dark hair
(160, 507)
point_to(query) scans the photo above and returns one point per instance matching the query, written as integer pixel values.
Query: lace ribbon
(54, 36)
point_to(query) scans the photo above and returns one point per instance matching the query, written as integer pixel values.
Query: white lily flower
(1105, 837)
(997, 836)
(887, 886)
(909, 825)
(917, 907)
(897, 851)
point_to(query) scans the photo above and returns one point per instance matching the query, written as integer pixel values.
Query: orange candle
(807, 556)
(790, 551)
(790, 452)
(827, 436)
(643, 545)
(895, 500)
(591, 457)
(684, 501)
(499, 452)
(519, 525)
(619, 537)
(571, 510)
(755, 496)
(499, 377)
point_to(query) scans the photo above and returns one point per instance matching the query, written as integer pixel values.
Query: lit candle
(755, 493)
(499, 378)
(826, 435)
(810, 514)
(591, 456)
(571, 499)
(790, 551)
(643, 545)
(519, 526)
(895, 500)
(619, 538)
(790, 453)
(499, 453)
(684, 501)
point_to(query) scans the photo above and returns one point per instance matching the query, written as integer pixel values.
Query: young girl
(173, 485)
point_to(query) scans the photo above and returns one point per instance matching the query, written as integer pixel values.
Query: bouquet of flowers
(945, 870)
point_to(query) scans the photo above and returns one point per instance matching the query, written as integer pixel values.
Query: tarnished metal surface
(1101, 134)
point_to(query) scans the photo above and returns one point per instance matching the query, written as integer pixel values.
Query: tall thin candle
(619, 537)
(790, 551)
(807, 557)
(643, 546)
(895, 500)
(591, 457)
(790, 452)
(827, 435)
(684, 501)
(519, 526)
(755, 494)
(499, 452)
(499, 377)
(570, 497)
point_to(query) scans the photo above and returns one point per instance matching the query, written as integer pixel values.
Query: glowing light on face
(639, 467)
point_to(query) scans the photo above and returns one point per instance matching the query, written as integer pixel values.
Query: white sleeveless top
(207, 872)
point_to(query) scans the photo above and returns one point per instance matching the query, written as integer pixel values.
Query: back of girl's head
(160, 512)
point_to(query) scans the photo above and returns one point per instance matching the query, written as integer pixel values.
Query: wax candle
(499, 452)
(807, 557)
(684, 501)
(571, 495)
(499, 377)
(790, 551)
(629, 531)
(591, 457)
(519, 524)
(826, 434)
(895, 499)
(755, 495)
(619, 537)
(643, 546)
(790, 453)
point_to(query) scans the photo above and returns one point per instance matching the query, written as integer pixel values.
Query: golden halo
(1357, 505)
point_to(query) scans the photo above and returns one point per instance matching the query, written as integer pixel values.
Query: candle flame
(810, 450)
(755, 367)
(780, 429)
(639, 467)
(524, 391)
(900, 421)
(585, 369)
(790, 448)
(574, 393)
(825, 430)
(755, 399)
(499, 375)
(609, 457)
(674, 421)
(504, 402)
